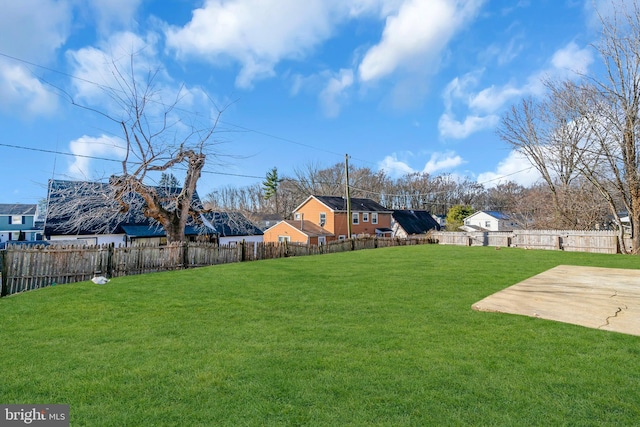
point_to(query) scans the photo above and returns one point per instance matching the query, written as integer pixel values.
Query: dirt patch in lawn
(600, 298)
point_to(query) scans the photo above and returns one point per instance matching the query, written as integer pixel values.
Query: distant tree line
(579, 206)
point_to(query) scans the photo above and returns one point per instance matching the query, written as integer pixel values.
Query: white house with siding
(489, 221)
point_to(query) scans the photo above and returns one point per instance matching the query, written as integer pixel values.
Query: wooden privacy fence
(565, 240)
(31, 267)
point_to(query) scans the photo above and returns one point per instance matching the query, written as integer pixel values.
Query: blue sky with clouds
(400, 85)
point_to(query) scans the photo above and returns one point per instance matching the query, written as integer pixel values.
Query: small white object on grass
(100, 280)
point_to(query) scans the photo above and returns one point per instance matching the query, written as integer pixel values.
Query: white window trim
(355, 218)
(374, 217)
(322, 221)
(284, 239)
(365, 216)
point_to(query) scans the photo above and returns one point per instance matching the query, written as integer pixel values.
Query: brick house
(321, 219)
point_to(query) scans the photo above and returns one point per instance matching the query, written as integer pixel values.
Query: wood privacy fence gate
(31, 267)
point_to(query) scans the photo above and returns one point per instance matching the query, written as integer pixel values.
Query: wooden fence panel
(26, 268)
(34, 267)
(568, 240)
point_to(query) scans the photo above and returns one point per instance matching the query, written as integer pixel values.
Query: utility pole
(346, 171)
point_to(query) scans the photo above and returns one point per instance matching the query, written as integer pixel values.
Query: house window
(374, 218)
(298, 216)
(284, 239)
(342, 237)
(16, 219)
(355, 218)
(323, 219)
(365, 217)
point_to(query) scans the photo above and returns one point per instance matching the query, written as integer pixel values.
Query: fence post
(243, 251)
(109, 268)
(3, 274)
(185, 255)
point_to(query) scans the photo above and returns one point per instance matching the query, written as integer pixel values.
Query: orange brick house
(321, 219)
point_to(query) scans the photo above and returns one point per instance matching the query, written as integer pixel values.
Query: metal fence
(31, 267)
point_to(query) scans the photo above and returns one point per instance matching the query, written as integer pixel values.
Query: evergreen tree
(270, 186)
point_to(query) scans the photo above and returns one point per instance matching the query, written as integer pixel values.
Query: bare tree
(551, 133)
(159, 137)
(614, 117)
(597, 134)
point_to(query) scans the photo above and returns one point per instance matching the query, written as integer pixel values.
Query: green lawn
(377, 337)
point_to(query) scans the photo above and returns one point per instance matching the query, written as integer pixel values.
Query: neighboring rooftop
(17, 209)
(415, 221)
(338, 203)
(228, 224)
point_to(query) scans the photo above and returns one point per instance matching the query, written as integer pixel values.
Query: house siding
(489, 222)
(93, 239)
(337, 222)
(7, 228)
(311, 211)
(284, 229)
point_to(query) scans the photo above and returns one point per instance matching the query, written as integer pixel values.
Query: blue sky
(400, 85)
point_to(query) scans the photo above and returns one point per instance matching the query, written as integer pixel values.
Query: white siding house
(489, 221)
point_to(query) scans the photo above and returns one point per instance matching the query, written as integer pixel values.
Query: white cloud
(93, 67)
(32, 30)
(419, 31)
(452, 128)
(396, 166)
(515, 167)
(334, 92)
(102, 146)
(113, 13)
(257, 33)
(23, 93)
(442, 161)
(571, 60)
(484, 106)
(493, 98)
(260, 34)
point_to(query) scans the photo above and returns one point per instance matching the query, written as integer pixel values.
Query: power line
(245, 128)
(62, 153)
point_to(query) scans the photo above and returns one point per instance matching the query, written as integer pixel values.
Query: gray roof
(338, 203)
(89, 197)
(415, 222)
(17, 209)
(497, 214)
(228, 224)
